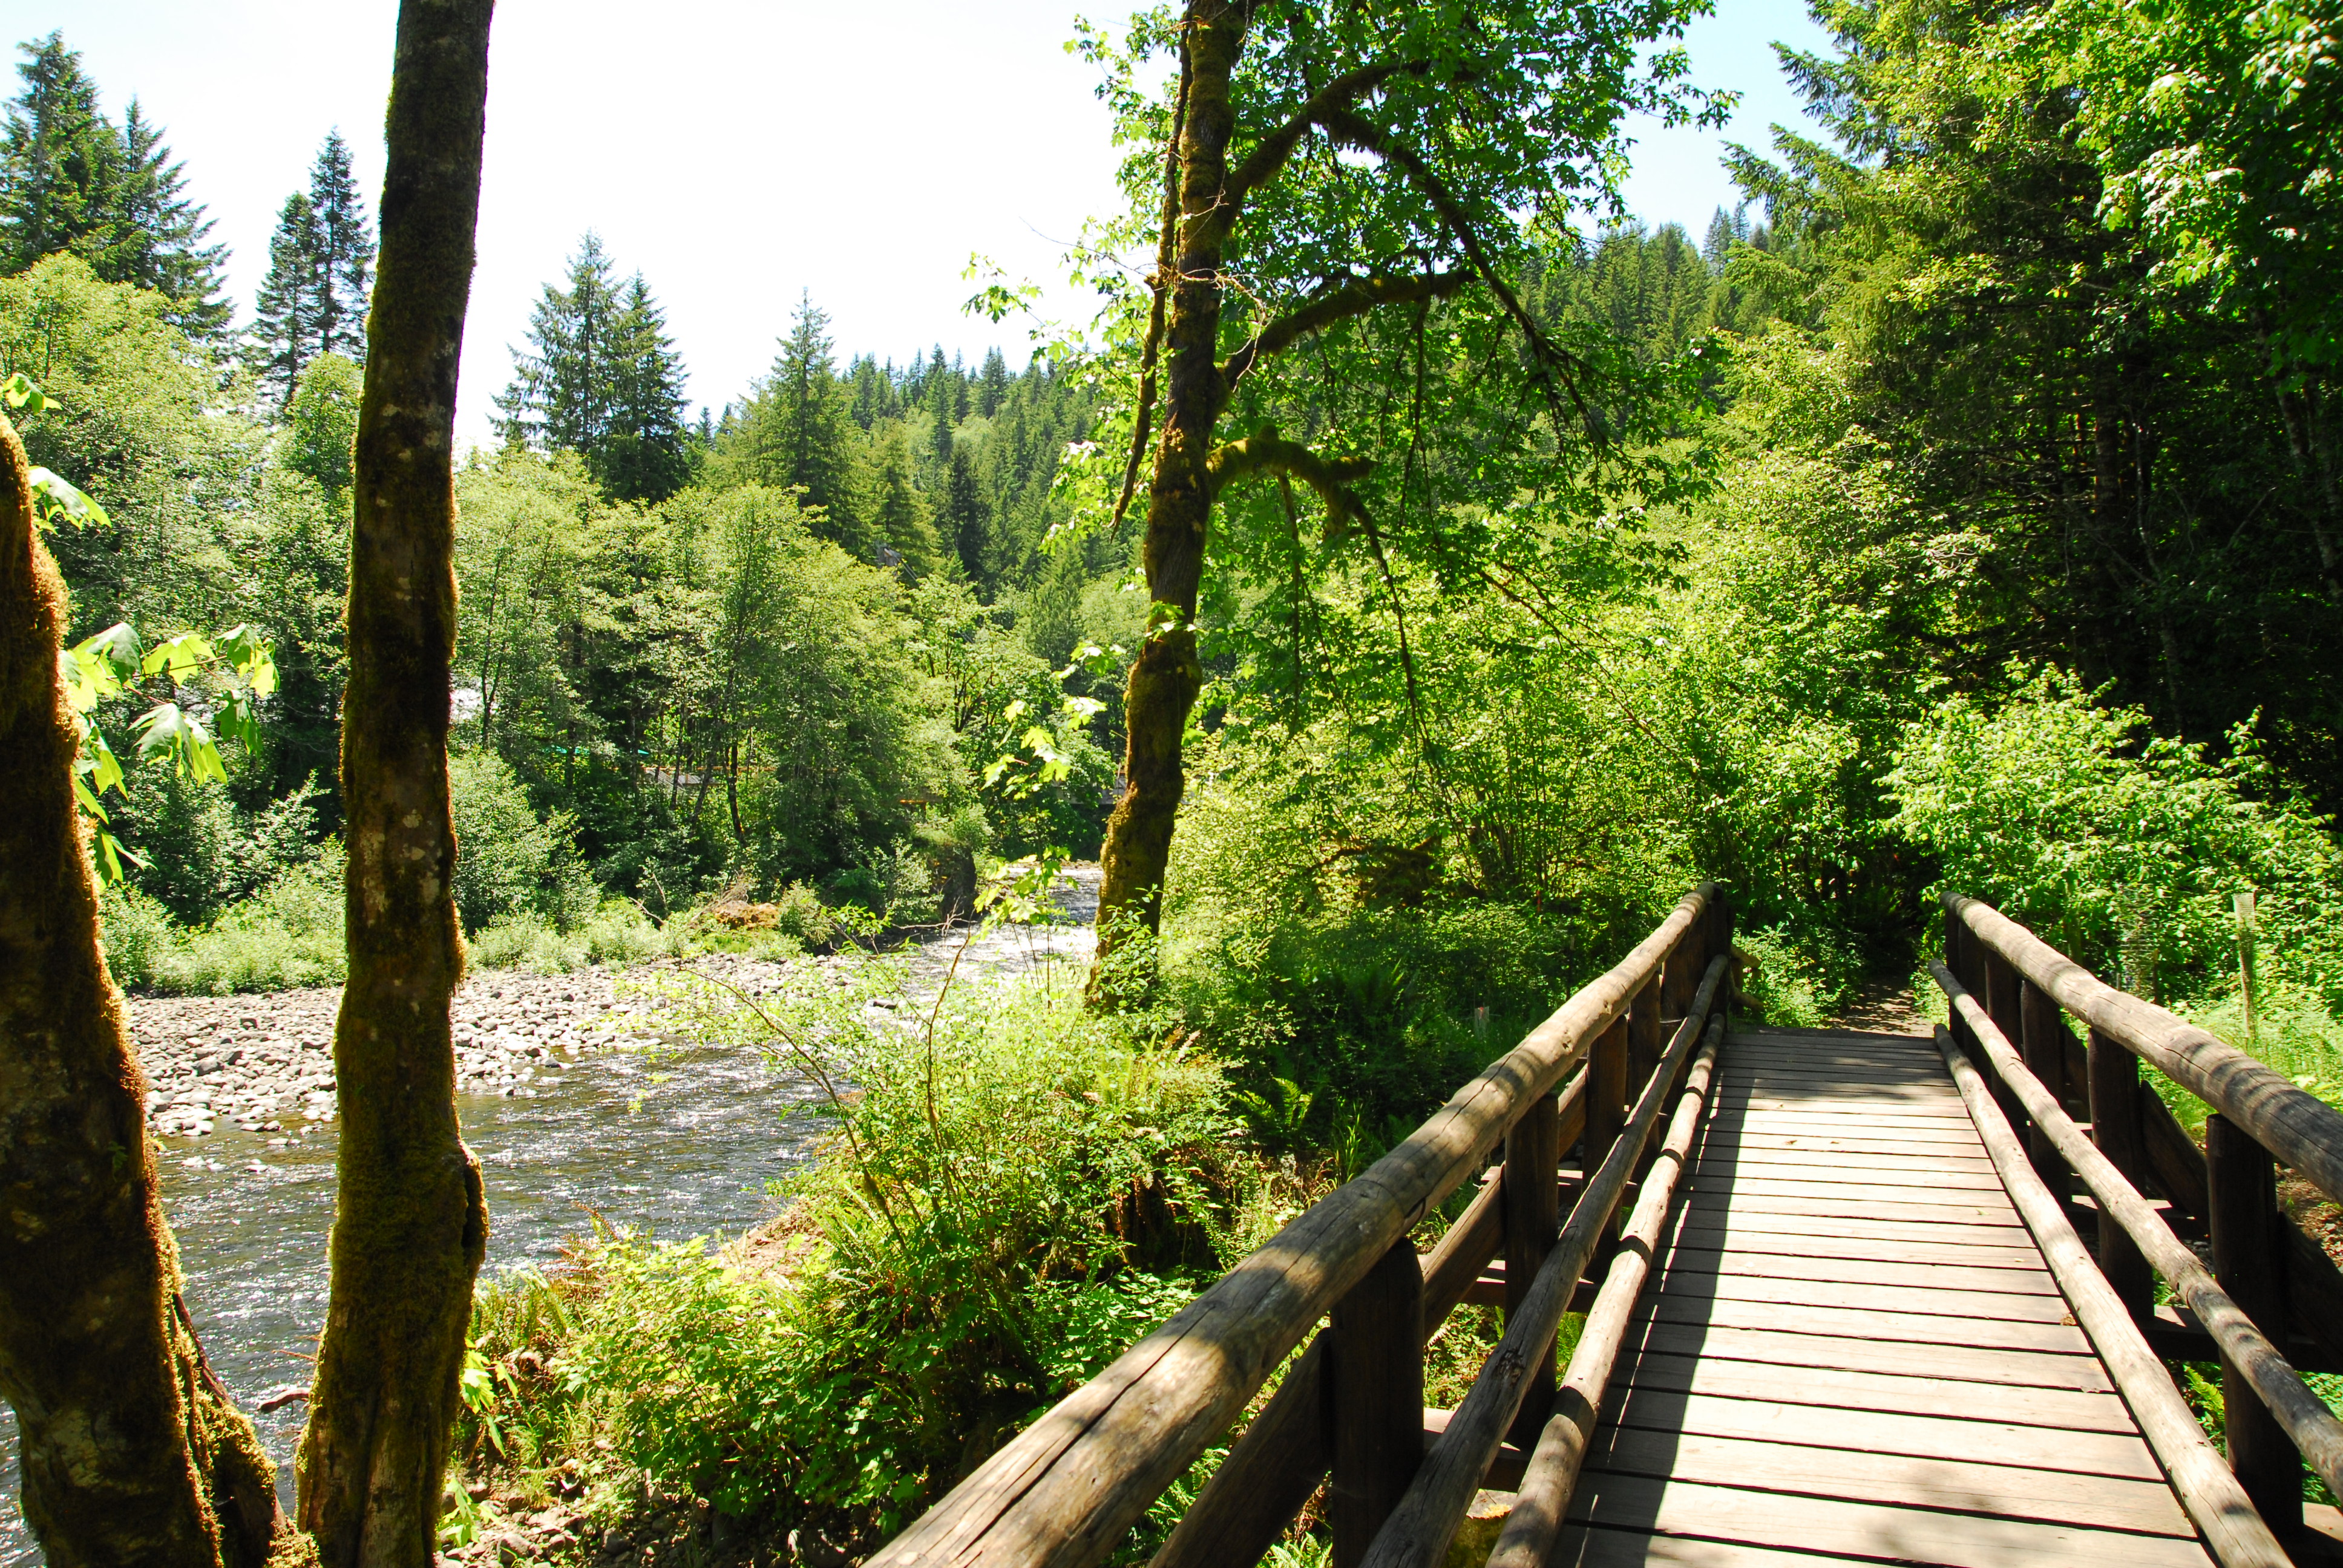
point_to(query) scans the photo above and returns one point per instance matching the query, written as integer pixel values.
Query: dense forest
(1405, 602)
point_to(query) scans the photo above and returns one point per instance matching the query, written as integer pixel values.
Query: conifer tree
(72, 181)
(289, 311)
(61, 156)
(994, 385)
(900, 512)
(560, 394)
(643, 456)
(320, 264)
(942, 383)
(153, 236)
(346, 258)
(967, 520)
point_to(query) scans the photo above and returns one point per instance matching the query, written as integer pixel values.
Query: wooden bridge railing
(2272, 1300)
(1597, 1074)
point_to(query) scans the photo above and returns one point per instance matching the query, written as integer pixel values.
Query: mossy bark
(409, 1226)
(1167, 676)
(131, 1451)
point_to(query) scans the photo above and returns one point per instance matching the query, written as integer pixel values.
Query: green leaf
(179, 656)
(65, 501)
(22, 392)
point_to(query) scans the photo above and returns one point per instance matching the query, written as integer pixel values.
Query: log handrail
(2299, 1129)
(1551, 1477)
(1419, 1531)
(2213, 1497)
(2313, 1427)
(1065, 1491)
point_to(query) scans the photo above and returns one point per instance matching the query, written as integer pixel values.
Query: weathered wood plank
(1583, 1546)
(1903, 1328)
(1689, 1277)
(1884, 1268)
(1757, 1196)
(2028, 1369)
(2006, 1491)
(1798, 1124)
(1798, 1165)
(1799, 1242)
(1842, 1153)
(1891, 1393)
(1884, 1431)
(1865, 1529)
(1716, 1213)
(2206, 1489)
(1775, 1182)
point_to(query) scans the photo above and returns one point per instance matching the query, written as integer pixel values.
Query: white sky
(735, 152)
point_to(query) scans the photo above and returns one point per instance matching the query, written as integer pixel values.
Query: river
(681, 1146)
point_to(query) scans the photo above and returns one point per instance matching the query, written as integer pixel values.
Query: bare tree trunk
(409, 1226)
(1166, 676)
(132, 1451)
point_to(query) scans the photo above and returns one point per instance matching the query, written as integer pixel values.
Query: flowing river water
(681, 1146)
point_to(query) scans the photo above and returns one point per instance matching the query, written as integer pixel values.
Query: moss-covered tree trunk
(132, 1451)
(1167, 676)
(409, 1225)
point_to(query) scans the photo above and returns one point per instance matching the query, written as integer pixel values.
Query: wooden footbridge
(1847, 1298)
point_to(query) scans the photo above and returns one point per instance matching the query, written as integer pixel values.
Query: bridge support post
(1532, 1197)
(2115, 1129)
(1606, 1118)
(1646, 1037)
(1999, 994)
(1374, 1397)
(2042, 1044)
(2241, 1192)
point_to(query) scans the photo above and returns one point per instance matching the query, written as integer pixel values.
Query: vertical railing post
(2115, 1127)
(2042, 1044)
(1606, 1115)
(1719, 921)
(1531, 1199)
(1960, 957)
(2241, 1200)
(1644, 1038)
(1375, 1399)
(2000, 997)
(1680, 976)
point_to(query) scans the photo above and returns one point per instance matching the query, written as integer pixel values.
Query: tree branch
(1270, 154)
(1351, 299)
(1348, 128)
(1266, 452)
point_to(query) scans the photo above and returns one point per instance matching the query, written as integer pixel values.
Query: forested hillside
(1419, 572)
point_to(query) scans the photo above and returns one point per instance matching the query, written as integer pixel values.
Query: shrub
(509, 861)
(1000, 1206)
(288, 934)
(2121, 849)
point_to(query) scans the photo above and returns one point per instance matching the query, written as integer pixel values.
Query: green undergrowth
(999, 1204)
(2200, 1383)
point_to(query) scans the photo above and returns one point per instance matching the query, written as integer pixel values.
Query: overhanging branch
(1348, 128)
(1266, 452)
(1351, 299)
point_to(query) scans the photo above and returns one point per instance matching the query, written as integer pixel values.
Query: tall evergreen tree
(994, 386)
(603, 380)
(941, 385)
(967, 520)
(900, 512)
(345, 242)
(72, 181)
(560, 394)
(154, 234)
(61, 156)
(643, 457)
(288, 312)
(320, 264)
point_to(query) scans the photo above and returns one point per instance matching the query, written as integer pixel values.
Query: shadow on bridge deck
(1854, 1348)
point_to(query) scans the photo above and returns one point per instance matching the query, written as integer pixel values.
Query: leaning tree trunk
(132, 1451)
(1167, 676)
(410, 1227)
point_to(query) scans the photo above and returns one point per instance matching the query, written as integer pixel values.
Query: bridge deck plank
(1852, 1348)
